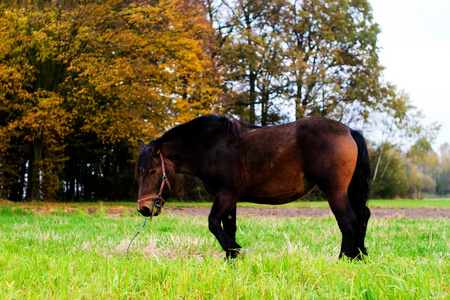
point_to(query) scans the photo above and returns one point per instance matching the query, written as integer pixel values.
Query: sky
(415, 50)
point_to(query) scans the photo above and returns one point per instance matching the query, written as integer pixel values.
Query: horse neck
(190, 155)
(187, 159)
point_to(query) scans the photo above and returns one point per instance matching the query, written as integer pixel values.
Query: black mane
(185, 131)
(192, 127)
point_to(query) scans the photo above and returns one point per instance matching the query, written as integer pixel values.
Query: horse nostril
(145, 211)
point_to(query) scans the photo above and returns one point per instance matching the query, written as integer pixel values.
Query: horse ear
(141, 145)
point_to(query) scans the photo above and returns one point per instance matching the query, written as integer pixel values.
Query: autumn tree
(391, 176)
(443, 176)
(424, 163)
(319, 57)
(332, 50)
(80, 81)
(32, 103)
(253, 54)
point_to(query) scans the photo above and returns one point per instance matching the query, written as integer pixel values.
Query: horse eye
(152, 172)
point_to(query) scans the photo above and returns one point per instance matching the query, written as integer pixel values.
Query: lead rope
(140, 228)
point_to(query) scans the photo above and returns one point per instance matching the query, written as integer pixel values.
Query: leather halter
(164, 181)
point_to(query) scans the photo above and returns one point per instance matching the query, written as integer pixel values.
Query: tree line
(81, 81)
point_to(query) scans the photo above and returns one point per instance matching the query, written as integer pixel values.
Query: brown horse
(267, 165)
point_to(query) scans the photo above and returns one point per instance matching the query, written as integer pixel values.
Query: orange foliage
(116, 70)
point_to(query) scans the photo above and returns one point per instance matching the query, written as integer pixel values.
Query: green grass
(408, 203)
(61, 255)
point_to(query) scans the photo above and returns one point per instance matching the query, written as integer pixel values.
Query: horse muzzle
(151, 208)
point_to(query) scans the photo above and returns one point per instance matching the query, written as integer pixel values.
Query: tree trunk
(34, 172)
(264, 109)
(252, 98)
(300, 105)
(375, 172)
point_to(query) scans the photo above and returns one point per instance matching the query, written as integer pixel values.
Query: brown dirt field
(275, 212)
(407, 213)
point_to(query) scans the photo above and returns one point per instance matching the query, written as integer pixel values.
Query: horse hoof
(233, 254)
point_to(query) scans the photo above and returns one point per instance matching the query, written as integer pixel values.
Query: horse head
(155, 176)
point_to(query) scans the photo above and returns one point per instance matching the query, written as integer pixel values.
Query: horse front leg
(224, 211)
(229, 223)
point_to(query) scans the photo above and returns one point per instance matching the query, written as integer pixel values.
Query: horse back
(283, 163)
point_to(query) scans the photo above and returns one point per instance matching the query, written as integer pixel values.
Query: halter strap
(163, 182)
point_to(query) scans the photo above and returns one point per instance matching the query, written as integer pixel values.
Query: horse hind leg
(355, 226)
(348, 224)
(362, 231)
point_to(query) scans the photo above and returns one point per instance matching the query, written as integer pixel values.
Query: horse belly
(275, 200)
(279, 190)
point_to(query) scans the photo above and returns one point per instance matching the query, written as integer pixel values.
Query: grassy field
(76, 255)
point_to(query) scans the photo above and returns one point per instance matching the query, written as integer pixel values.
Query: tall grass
(61, 255)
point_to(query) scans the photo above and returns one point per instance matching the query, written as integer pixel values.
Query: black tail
(358, 190)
